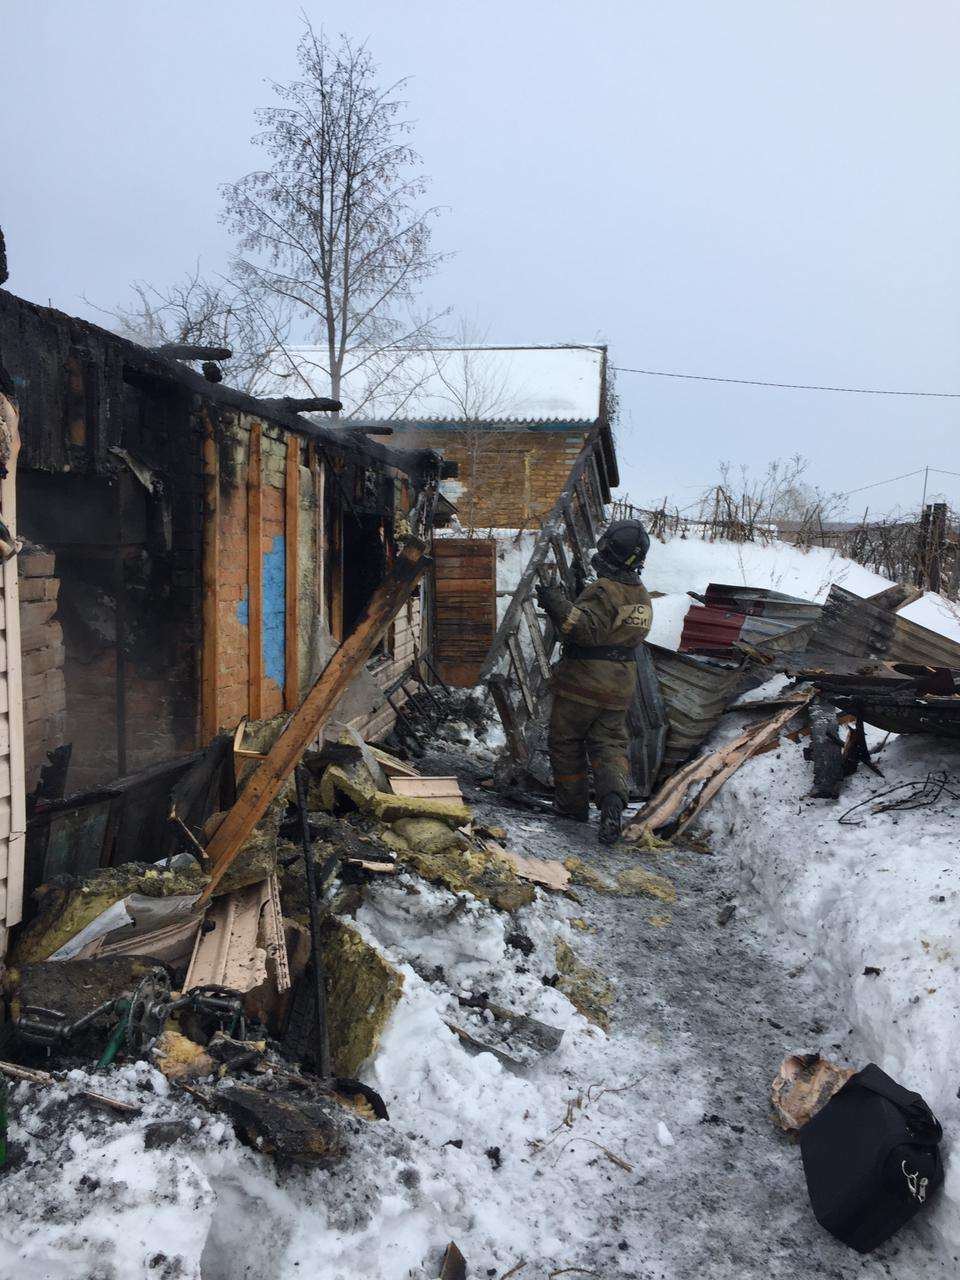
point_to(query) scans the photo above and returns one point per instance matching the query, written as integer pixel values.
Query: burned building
(190, 558)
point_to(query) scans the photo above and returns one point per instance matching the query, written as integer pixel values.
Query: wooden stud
(583, 498)
(291, 658)
(603, 471)
(563, 566)
(16, 840)
(255, 575)
(500, 691)
(536, 638)
(578, 554)
(315, 464)
(335, 560)
(303, 726)
(210, 662)
(520, 671)
(597, 487)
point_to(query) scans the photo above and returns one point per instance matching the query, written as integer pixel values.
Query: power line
(878, 483)
(788, 386)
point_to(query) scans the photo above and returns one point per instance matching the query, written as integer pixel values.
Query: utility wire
(876, 485)
(788, 386)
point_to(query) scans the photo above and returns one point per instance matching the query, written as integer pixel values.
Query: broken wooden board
(427, 788)
(547, 872)
(453, 1265)
(390, 765)
(242, 942)
(678, 802)
(376, 868)
(15, 1072)
(514, 1038)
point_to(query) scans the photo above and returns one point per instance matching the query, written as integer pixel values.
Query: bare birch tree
(333, 223)
(197, 311)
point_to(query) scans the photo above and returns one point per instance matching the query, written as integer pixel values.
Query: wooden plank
(577, 549)
(291, 664)
(390, 765)
(594, 472)
(563, 565)
(536, 638)
(255, 574)
(317, 481)
(583, 498)
(520, 671)
(210, 661)
(427, 788)
(603, 471)
(676, 800)
(302, 728)
(12, 680)
(336, 562)
(499, 687)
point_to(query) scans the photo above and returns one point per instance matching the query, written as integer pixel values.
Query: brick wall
(41, 643)
(507, 479)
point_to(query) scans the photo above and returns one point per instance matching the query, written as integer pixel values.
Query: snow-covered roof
(457, 384)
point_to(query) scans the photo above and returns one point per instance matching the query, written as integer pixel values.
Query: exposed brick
(36, 564)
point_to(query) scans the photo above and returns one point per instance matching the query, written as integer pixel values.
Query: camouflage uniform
(591, 695)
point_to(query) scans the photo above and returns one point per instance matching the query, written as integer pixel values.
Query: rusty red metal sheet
(711, 631)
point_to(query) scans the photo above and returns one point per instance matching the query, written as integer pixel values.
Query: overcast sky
(746, 189)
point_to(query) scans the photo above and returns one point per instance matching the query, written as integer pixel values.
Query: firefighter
(594, 682)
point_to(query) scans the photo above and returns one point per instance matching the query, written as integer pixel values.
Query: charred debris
(186, 890)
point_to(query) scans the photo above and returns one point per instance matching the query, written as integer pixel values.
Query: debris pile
(849, 663)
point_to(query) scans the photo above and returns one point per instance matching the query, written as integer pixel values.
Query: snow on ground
(933, 611)
(680, 565)
(836, 899)
(460, 1158)
(644, 1153)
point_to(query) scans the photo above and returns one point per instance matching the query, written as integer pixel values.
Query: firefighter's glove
(553, 602)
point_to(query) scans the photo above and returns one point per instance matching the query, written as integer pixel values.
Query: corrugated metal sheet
(712, 631)
(647, 724)
(696, 692)
(851, 627)
(752, 614)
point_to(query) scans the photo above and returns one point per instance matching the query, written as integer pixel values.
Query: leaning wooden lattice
(683, 796)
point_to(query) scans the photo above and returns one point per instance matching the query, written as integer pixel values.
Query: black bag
(871, 1158)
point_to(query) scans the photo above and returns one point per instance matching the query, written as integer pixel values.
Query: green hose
(116, 1040)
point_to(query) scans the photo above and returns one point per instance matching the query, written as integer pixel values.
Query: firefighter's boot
(611, 814)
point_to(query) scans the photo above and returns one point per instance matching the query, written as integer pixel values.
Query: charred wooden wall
(196, 572)
(110, 480)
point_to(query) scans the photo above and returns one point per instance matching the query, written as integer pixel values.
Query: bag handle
(877, 1081)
